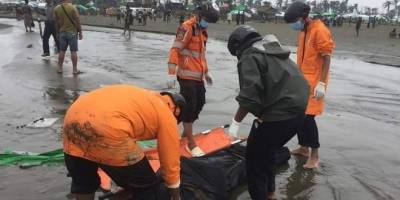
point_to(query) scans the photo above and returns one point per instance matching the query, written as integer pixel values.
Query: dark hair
(242, 37)
(296, 10)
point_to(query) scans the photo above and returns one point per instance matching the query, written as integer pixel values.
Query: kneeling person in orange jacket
(101, 129)
(187, 63)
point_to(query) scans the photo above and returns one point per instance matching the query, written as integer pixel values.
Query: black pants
(138, 178)
(49, 29)
(308, 134)
(264, 140)
(194, 93)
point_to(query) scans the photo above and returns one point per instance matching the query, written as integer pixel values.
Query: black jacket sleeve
(251, 85)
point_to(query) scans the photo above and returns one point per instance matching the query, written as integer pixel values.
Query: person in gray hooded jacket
(273, 89)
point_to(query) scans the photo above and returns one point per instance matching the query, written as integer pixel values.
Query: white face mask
(297, 26)
(203, 24)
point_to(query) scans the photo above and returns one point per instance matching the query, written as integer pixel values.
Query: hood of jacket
(273, 48)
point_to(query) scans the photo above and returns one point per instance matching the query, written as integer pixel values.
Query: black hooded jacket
(271, 85)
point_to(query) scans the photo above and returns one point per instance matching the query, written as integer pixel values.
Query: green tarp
(27, 159)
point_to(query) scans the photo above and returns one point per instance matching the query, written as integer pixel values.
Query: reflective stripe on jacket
(313, 43)
(187, 54)
(104, 125)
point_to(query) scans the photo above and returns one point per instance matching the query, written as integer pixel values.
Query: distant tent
(239, 9)
(312, 15)
(354, 14)
(235, 12)
(329, 14)
(190, 7)
(81, 8)
(92, 9)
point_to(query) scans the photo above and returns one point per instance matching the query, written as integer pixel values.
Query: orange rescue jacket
(187, 56)
(104, 125)
(313, 43)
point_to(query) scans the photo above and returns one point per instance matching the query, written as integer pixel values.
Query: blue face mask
(203, 24)
(297, 26)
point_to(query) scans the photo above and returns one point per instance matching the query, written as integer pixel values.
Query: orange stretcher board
(209, 141)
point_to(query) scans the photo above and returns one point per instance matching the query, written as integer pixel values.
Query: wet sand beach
(359, 131)
(371, 42)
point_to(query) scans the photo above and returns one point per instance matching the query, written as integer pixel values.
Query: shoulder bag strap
(73, 23)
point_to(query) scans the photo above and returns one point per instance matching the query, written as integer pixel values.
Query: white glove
(319, 90)
(209, 80)
(171, 82)
(234, 129)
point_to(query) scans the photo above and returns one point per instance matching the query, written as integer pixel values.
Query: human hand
(319, 90)
(171, 81)
(209, 80)
(174, 193)
(234, 128)
(80, 36)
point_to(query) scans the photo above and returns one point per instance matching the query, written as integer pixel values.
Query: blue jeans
(68, 39)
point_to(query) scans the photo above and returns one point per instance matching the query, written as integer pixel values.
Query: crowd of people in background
(130, 15)
(240, 18)
(61, 21)
(27, 16)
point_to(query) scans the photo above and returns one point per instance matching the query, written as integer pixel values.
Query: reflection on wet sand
(301, 181)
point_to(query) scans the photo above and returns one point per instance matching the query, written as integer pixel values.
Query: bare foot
(312, 163)
(301, 151)
(76, 72)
